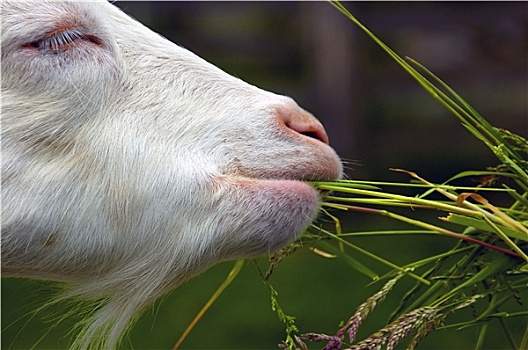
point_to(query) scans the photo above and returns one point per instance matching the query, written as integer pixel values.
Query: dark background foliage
(377, 117)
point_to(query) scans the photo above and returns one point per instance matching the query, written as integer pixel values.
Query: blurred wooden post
(331, 42)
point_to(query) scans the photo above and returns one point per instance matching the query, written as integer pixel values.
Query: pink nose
(302, 122)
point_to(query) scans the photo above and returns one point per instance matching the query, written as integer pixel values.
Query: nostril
(314, 135)
(303, 123)
(311, 129)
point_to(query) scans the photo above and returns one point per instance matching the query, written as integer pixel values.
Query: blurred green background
(377, 117)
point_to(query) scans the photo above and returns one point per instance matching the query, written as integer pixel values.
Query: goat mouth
(314, 164)
(301, 174)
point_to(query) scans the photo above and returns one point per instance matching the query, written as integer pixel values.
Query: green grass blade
(230, 278)
(355, 264)
(476, 118)
(376, 257)
(481, 225)
(501, 263)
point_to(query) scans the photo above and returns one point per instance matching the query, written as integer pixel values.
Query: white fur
(129, 164)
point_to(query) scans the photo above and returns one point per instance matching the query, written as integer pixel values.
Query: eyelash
(61, 42)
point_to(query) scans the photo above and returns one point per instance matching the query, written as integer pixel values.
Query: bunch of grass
(485, 269)
(488, 265)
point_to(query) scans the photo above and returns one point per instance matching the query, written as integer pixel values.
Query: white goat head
(129, 164)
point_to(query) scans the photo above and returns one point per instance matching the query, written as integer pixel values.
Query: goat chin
(129, 164)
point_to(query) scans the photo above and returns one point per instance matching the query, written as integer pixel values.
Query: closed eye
(62, 41)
